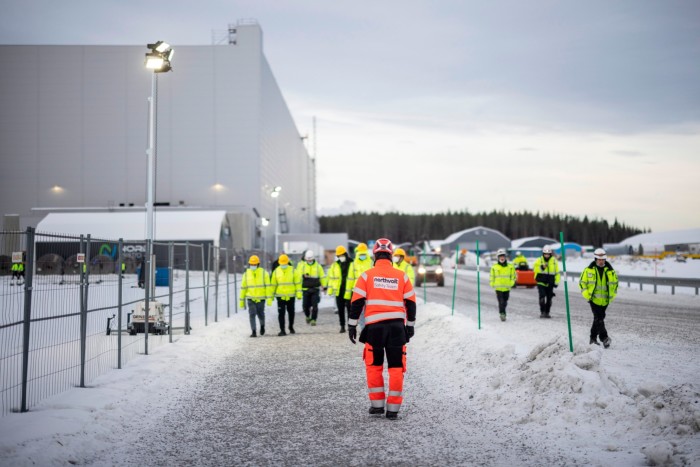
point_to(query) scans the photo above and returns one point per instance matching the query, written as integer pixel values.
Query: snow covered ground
(506, 394)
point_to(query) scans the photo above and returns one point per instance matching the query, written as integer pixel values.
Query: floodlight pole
(275, 193)
(150, 222)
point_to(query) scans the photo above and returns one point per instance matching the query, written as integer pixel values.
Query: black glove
(556, 285)
(352, 333)
(410, 331)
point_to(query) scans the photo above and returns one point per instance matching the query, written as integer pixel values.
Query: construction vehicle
(524, 276)
(156, 319)
(430, 269)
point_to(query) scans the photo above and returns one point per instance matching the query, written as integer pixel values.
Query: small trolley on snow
(156, 319)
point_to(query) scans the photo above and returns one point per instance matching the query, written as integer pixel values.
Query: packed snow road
(301, 400)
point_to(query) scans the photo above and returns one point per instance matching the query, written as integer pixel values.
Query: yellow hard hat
(254, 260)
(283, 259)
(362, 247)
(340, 250)
(399, 252)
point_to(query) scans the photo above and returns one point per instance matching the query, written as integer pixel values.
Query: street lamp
(158, 60)
(275, 193)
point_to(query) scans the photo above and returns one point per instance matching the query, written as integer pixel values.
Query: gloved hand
(269, 302)
(352, 333)
(410, 331)
(556, 285)
(241, 304)
(299, 296)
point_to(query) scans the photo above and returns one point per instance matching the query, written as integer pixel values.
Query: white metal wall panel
(76, 117)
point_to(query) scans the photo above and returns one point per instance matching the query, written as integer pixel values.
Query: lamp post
(158, 60)
(275, 193)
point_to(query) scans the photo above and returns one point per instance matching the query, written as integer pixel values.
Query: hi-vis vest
(600, 289)
(285, 283)
(255, 285)
(384, 289)
(550, 274)
(406, 267)
(356, 269)
(502, 276)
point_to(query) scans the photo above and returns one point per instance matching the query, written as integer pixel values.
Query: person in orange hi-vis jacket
(389, 301)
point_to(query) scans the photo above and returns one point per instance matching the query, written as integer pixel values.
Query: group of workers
(380, 290)
(305, 281)
(598, 283)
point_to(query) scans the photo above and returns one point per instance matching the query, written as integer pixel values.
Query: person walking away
(16, 273)
(285, 287)
(362, 262)
(389, 302)
(312, 280)
(502, 280)
(337, 281)
(255, 290)
(546, 271)
(403, 265)
(520, 261)
(598, 283)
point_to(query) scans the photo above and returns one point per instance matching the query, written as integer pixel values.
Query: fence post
(228, 294)
(28, 280)
(85, 247)
(171, 257)
(187, 287)
(235, 284)
(215, 250)
(119, 303)
(205, 292)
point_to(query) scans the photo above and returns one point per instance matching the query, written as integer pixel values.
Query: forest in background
(413, 228)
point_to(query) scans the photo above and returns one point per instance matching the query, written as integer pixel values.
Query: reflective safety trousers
(385, 338)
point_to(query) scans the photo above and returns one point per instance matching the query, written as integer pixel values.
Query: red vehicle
(524, 276)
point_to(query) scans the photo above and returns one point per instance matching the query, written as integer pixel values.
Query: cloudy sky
(584, 108)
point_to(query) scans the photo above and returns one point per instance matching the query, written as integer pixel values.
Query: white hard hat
(599, 253)
(547, 249)
(309, 255)
(501, 251)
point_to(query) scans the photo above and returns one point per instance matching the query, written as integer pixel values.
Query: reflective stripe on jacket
(502, 276)
(550, 274)
(598, 288)
(256, 285)
(311, 270)
(406, 267)
(384, 289)
(357, 267)
(285, 283)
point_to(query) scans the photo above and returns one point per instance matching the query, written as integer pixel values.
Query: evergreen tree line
(413, 228)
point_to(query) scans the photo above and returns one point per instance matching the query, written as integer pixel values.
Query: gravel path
(301, 400)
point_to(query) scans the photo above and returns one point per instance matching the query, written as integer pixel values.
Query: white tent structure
(209, 226)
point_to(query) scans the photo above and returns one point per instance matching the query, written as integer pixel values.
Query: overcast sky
(583, 108)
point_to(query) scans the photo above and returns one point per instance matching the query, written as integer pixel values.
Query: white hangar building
(74, 133)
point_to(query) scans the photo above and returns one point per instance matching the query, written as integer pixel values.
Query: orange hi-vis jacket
(384, 289)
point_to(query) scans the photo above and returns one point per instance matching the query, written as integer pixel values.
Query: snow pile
(559, 395)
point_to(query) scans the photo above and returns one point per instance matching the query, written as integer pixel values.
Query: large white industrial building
(74, 134)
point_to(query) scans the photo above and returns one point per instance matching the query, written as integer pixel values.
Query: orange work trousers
(385, 338)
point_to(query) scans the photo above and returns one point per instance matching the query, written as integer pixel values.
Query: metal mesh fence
(68, 316)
